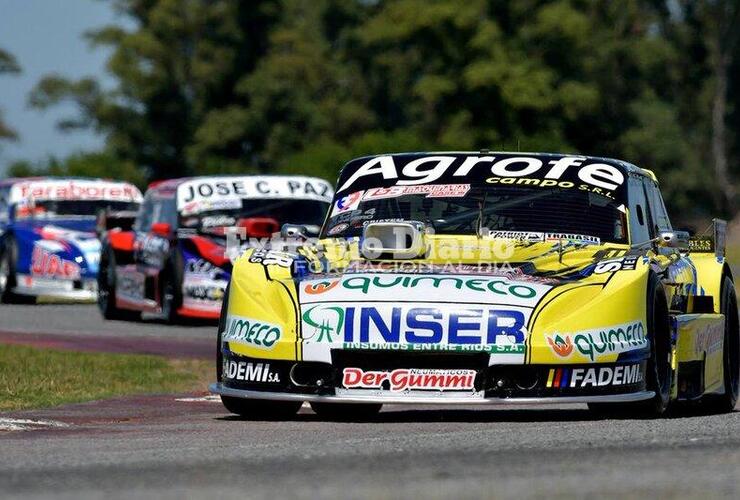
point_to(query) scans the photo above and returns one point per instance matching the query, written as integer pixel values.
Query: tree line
(226, 86)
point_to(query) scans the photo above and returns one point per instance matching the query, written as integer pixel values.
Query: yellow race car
(483, 278)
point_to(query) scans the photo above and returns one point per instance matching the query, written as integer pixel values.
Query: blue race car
(48, 244)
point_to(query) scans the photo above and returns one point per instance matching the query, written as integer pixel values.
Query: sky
(45, 36)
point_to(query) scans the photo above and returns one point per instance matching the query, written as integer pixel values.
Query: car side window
(639, 215)
(657, 207)
(169, 212)
(156, 211)
(144, 217)
(4, 193)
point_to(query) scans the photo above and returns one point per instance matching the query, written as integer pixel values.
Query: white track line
(22, 424)
(209, 399)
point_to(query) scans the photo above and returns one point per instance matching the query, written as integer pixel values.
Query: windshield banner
(74, 189)
(203, 193)
(413, 171)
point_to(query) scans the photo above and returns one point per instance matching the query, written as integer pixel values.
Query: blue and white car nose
(90, 250)
(81, 247)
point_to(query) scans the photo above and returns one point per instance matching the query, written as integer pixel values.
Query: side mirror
(674, 239)
(162, 229)
(291, 231)
(259, 227)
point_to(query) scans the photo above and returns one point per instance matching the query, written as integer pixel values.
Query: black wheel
(8, 277)
(260, 409)
(723, 403)
(107, 289)
(350, 412)
(6, 280)
(659, 372)
(171, 289)
(171, 299)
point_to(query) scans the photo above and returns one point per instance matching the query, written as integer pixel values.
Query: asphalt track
(81, 327)
(183, 446)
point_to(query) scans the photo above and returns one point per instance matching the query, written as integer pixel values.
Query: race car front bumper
(76, 291)
(222, 390)
(388, 377)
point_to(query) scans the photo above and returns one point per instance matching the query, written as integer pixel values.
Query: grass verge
(37, 378)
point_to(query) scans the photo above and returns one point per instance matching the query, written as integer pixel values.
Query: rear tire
(350, 412)
(724, 403)
(659, 372)
(107, 289)
(261, 409)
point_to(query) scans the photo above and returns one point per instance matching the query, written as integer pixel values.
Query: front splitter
(219, 389)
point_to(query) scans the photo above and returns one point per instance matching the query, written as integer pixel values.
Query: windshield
(310, 213)
(496, 210)
(70, 209)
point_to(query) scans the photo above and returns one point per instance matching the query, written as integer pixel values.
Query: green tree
(206, 86)
(8, 64)
(304, 91)
(97, 164)
(181, 61)
(713, 27)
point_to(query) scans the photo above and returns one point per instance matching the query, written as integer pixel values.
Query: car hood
(549, 263)
(544, 303)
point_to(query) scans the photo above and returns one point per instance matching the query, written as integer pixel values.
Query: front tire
(171, 290)
(107, 289)
(261, 409)
(221, 329)
(725, 403)
(8, 276)
(659, 372)
(169, 300)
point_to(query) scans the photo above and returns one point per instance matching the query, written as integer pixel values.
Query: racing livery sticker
(396, 286)
(130, 285)
(498, 330)
(624, 263)
(204, 193)
(595, 344)
(528, 236)
(272, 257)
(49, 265)
(604, 376)
(409, 379)
(709, 340)
(199, 206)
(203, 284)
(537, 237)
(337, 229)
(347, 203)
(578, 238)
(594, 175)
(253, 332)
(246, 371)
(430, 190)
(74, 189)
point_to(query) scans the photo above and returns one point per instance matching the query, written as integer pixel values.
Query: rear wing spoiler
(715, 243)
(114, 219)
